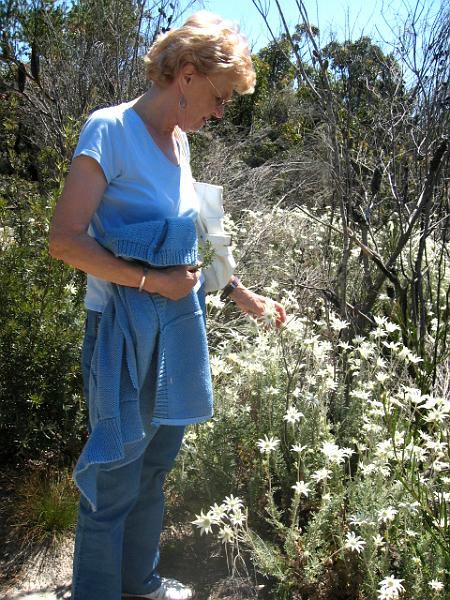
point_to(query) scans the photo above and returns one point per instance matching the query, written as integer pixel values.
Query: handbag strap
(183, 144)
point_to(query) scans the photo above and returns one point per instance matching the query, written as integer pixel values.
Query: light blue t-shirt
(143, 184)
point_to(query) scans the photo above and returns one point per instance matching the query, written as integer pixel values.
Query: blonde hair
(212, 44)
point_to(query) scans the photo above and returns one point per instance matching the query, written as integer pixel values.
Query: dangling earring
(182, 102)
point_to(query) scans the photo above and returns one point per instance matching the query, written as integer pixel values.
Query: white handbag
(210, 227)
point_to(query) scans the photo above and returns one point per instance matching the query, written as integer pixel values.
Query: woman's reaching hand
(268, 311)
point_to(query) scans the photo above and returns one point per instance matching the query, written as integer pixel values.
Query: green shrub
(41, 324)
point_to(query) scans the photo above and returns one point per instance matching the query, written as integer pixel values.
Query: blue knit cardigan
(134, 329)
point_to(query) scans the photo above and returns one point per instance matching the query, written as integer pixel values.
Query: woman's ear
(187, 73)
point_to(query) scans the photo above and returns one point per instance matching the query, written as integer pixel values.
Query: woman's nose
(219, 111)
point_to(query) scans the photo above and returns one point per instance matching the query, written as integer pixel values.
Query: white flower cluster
(334, 454)
(229, 516)
(382, 403)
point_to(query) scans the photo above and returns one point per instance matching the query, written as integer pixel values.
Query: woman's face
(206, 97)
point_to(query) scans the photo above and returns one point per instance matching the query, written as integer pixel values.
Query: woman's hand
(268, 311)
(173, 283)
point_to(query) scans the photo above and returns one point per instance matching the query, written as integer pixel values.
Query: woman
(129, 196)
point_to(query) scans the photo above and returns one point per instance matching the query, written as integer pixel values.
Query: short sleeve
(99, 140)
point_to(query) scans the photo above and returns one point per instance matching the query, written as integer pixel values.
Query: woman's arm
(258, 306)
(70, 242)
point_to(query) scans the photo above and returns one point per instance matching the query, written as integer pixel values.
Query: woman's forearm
(84, 253)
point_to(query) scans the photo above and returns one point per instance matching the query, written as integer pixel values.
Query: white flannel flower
(437, 415)
(381, 377)
(403, 352)
(360, 394)
(392, 345)
(391, 327)
(442, 496)
(381, 364)
(295, 327)
(218, 366)
(217, 513)
(345, 346)
(301, 487)
(354, 542)
(411, 533)
(232, 503)
(293, 415)
(378, 541)
(380, 321)
(370, 427)
(366, 350)
(337, 324)
(390, 588)
(267, 445)
(347, 452)
(298, 448)
(290, 302)
(435, 585)
(204, 522)
(333, 453)
(385, 515)
(413, 358)
(408, 356)
(384, 450)
(272, 288)
(270, 314)
(271, 390)
(438, 410)
(378, 333)
(359, 519)
(238, 517)
(414, 395)
(71, 289)
(226, 534)
(321, 475)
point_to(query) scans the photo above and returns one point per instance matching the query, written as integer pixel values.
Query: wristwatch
(230, 287)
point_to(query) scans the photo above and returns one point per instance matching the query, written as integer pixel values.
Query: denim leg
(99, 537)
(122, 536)
(144, 522)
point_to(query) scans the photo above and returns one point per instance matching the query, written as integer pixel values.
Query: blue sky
(348, 19)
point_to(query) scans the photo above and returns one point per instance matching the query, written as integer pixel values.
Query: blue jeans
(117, 546)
